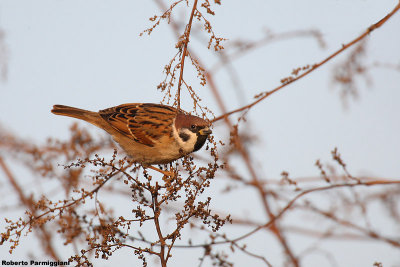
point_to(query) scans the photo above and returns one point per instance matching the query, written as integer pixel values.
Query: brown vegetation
(93, 227)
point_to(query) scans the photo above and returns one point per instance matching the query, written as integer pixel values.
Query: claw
(166, 173)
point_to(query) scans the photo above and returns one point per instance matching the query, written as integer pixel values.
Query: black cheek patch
(184, 137)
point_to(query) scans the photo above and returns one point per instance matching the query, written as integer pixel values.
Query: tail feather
(69, 111)
(82, 114)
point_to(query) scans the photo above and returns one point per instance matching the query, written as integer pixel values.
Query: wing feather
(145, 123)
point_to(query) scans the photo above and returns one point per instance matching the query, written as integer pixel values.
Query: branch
(185, 45)
(45, 237)
(315, 66)
(290, 204)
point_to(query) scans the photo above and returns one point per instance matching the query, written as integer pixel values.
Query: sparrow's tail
(86, 115)
(69, 111)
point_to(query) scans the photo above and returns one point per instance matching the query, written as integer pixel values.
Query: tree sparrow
(149, 133)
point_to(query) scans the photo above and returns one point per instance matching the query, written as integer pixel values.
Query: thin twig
(315, 66)
(184, 53)
(45, 236)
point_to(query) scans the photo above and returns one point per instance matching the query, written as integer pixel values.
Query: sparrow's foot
(169, 173)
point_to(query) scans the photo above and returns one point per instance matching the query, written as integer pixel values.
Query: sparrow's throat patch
(201, 139)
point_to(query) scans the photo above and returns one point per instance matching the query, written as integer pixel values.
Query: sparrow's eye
(192, 126)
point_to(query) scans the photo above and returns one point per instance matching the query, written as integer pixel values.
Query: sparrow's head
(192, 132)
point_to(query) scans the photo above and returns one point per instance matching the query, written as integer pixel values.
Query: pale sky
(89, 54)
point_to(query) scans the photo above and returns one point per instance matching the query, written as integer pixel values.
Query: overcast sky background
(89, 54)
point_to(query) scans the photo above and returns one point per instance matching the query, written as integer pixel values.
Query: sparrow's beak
(205, 131)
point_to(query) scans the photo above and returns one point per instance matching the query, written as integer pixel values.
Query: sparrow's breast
(162, 152)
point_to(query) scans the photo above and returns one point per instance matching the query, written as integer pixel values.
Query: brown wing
(145, 123)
